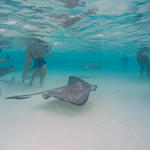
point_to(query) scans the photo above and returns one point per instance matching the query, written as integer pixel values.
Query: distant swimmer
(143, 58)
(4, 60)
(125, 61)
(36, 51)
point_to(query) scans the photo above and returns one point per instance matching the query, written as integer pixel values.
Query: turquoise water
(80, 32)
(89, 39)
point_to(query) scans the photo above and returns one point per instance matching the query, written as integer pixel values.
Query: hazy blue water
(80, 32)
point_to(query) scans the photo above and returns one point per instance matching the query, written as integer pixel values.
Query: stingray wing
(4, 71)
(70, 93)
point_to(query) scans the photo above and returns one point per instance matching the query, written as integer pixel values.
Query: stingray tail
(19, 97)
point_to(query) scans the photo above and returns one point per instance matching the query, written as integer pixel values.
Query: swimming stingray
(4, 71)
(76, 91)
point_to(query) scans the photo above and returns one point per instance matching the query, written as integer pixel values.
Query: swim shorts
(39, 62)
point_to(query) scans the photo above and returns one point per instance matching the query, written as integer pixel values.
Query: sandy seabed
(116, 116)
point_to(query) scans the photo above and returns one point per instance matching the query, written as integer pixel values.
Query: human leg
(28, 60)
(141, 70)
(42, 74)
(148, 70)
(33, 76)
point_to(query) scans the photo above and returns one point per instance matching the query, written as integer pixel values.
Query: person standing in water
(125, 61)
(36, 51)
(143, 58)
(4, 60)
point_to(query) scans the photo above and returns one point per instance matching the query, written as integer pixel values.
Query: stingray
(92, 65)
(76, 92)
(4, 71)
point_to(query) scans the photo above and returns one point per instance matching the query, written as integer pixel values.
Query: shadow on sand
(64, 108)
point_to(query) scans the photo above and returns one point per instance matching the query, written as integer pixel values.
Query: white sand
(116, 116)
